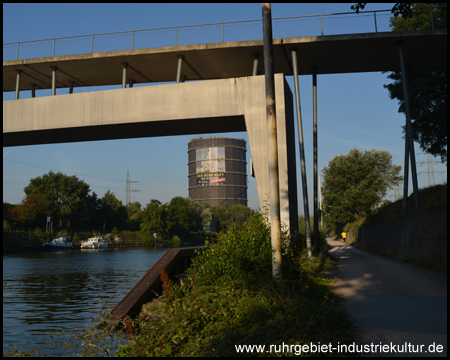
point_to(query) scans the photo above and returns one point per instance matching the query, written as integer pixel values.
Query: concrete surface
(391, 301)
(199, 107)
(329, 54)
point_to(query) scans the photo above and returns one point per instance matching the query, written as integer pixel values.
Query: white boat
(62, 242)
(96, 242)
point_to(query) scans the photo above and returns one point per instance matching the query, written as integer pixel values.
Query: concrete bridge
(232, 99)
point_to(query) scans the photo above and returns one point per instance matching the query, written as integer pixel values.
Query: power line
(51, 169)
(38, 166)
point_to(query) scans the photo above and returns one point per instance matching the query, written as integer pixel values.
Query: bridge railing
(283, 27)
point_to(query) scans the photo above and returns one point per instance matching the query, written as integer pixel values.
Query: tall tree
(113, 212)
(403, 9)
(428, 87)
(31, 212)
(134, 212)
(226, 216)
(355, 183)
(154, 219)
(184, 218)
(89, 216)
(65, 195)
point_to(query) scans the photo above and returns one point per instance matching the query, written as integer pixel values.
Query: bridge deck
(329, 54)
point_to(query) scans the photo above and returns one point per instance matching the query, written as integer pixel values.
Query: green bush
(232, 299)
(239, 253)
(37, 235)
(176, 241)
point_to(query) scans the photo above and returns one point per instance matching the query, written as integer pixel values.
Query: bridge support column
(302, 153)
(409, 142)
(33, 90)
(315, 182)
(255, 64)
(54, 80)
(251, 92)
(180, 64)
(18, 75)
(124, 75)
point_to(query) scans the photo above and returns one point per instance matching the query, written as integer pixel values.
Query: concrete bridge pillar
(200, 107)
(253, 94)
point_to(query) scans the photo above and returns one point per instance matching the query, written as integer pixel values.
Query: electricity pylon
(128, 188)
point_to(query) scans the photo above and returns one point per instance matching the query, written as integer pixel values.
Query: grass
(230, 299)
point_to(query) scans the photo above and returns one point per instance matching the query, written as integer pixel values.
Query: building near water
(218, 170)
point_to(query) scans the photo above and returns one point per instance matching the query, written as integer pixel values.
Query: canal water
(50, 290)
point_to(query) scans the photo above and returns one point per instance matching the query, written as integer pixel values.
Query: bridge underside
(213, 106)
(219, 124)
(332, 54)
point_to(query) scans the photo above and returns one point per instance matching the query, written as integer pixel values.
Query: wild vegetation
(72, 207)
(228, 298)
(231, 299)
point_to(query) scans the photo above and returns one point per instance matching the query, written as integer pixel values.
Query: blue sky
(354, 110)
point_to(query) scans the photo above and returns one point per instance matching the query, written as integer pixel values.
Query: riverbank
(231, 305)
(237, 319)
(20, 243)
(228, 301)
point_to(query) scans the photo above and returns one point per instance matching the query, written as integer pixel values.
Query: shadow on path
(392, 302)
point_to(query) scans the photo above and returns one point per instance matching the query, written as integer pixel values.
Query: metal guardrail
(222, 25)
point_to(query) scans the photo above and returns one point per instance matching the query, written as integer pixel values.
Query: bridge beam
(199, 107)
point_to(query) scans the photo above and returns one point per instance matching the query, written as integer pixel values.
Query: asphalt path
(391, 302)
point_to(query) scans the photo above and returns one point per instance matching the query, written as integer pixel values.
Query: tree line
(70, 204)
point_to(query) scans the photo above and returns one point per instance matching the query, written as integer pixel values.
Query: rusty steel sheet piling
(175, 262)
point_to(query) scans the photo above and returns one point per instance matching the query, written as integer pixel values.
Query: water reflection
(47, 291)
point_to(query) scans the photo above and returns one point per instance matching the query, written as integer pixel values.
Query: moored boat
(96, 242)
(61, 242)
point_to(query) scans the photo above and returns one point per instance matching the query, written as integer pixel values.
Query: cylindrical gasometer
(218, 170)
